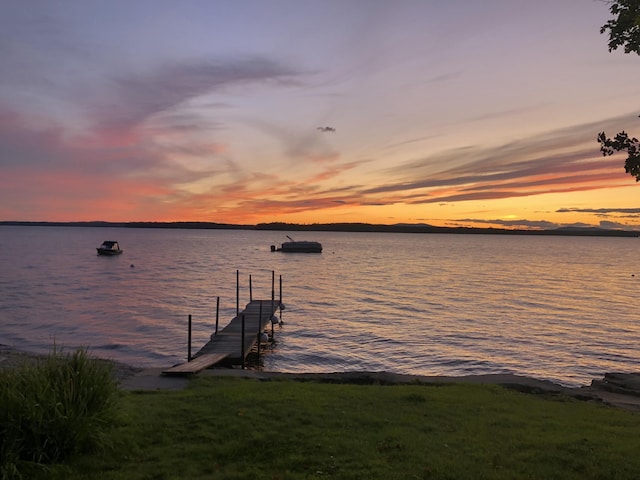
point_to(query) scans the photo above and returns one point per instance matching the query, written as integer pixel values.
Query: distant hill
(340, 227)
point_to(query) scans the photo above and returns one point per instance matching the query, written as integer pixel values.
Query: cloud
(159, 175)
(444, 77)
(612, 215)
(563, 161)
(142, 146)
(24, 146)
(298, 144)
(522, 223)
(617, 226)
(538, 224)
(44, 170)
(502, 114)
(136, 98)
(601, 211)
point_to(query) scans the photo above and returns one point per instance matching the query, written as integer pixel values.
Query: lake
(556, 308)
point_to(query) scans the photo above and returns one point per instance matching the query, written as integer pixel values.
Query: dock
(234, 341)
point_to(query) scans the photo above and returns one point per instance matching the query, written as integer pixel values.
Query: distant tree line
(338, 227)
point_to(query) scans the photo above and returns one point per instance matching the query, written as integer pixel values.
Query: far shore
(345, 227)
(620, 390)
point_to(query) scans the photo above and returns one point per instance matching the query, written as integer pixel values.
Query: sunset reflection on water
(559, 308)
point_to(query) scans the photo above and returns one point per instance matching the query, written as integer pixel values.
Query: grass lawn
(231, 428)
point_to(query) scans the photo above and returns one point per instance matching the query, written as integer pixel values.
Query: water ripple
(552, 307)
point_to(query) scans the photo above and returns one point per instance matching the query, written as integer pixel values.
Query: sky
(456, 113)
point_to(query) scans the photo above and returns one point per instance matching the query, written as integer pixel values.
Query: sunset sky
(453, 113)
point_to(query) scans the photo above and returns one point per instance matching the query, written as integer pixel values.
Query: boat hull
(108, 252)
(301, 247)
(109, 248)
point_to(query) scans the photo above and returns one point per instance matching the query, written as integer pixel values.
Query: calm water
(557, 308)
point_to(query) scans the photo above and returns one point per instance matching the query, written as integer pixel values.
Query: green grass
(53, 409)
(247, 429)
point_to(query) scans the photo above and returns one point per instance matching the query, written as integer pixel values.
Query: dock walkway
(229, 342)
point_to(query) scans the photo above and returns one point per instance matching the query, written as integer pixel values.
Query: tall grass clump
(52, 409)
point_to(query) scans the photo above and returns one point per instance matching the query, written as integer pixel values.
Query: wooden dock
(230, 343)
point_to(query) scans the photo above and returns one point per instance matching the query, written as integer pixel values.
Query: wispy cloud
(617, 226)
(521, 223)
(602, 211)
(563, 161)
(499, 114)
(140, 148)
(538, 224)
(612, 217)
(137, 97)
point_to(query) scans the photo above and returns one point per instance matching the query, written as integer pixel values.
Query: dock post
(242, 343)
(189, 341)
(273, 286)
(273, 299)
(237, 292)
(217, 314)
(272, 311)
(250, 290)
(280, 304)
(259, 333)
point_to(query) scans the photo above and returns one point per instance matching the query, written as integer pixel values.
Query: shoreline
(11, 357)
(419, 228)
(621, 390)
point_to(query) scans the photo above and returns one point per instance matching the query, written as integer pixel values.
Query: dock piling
(259, 334)
(217, 314)
(189, 341)
(237, 292)
(242, 343)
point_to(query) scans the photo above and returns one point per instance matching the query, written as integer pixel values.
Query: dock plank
(197, 364)
(226, 344)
